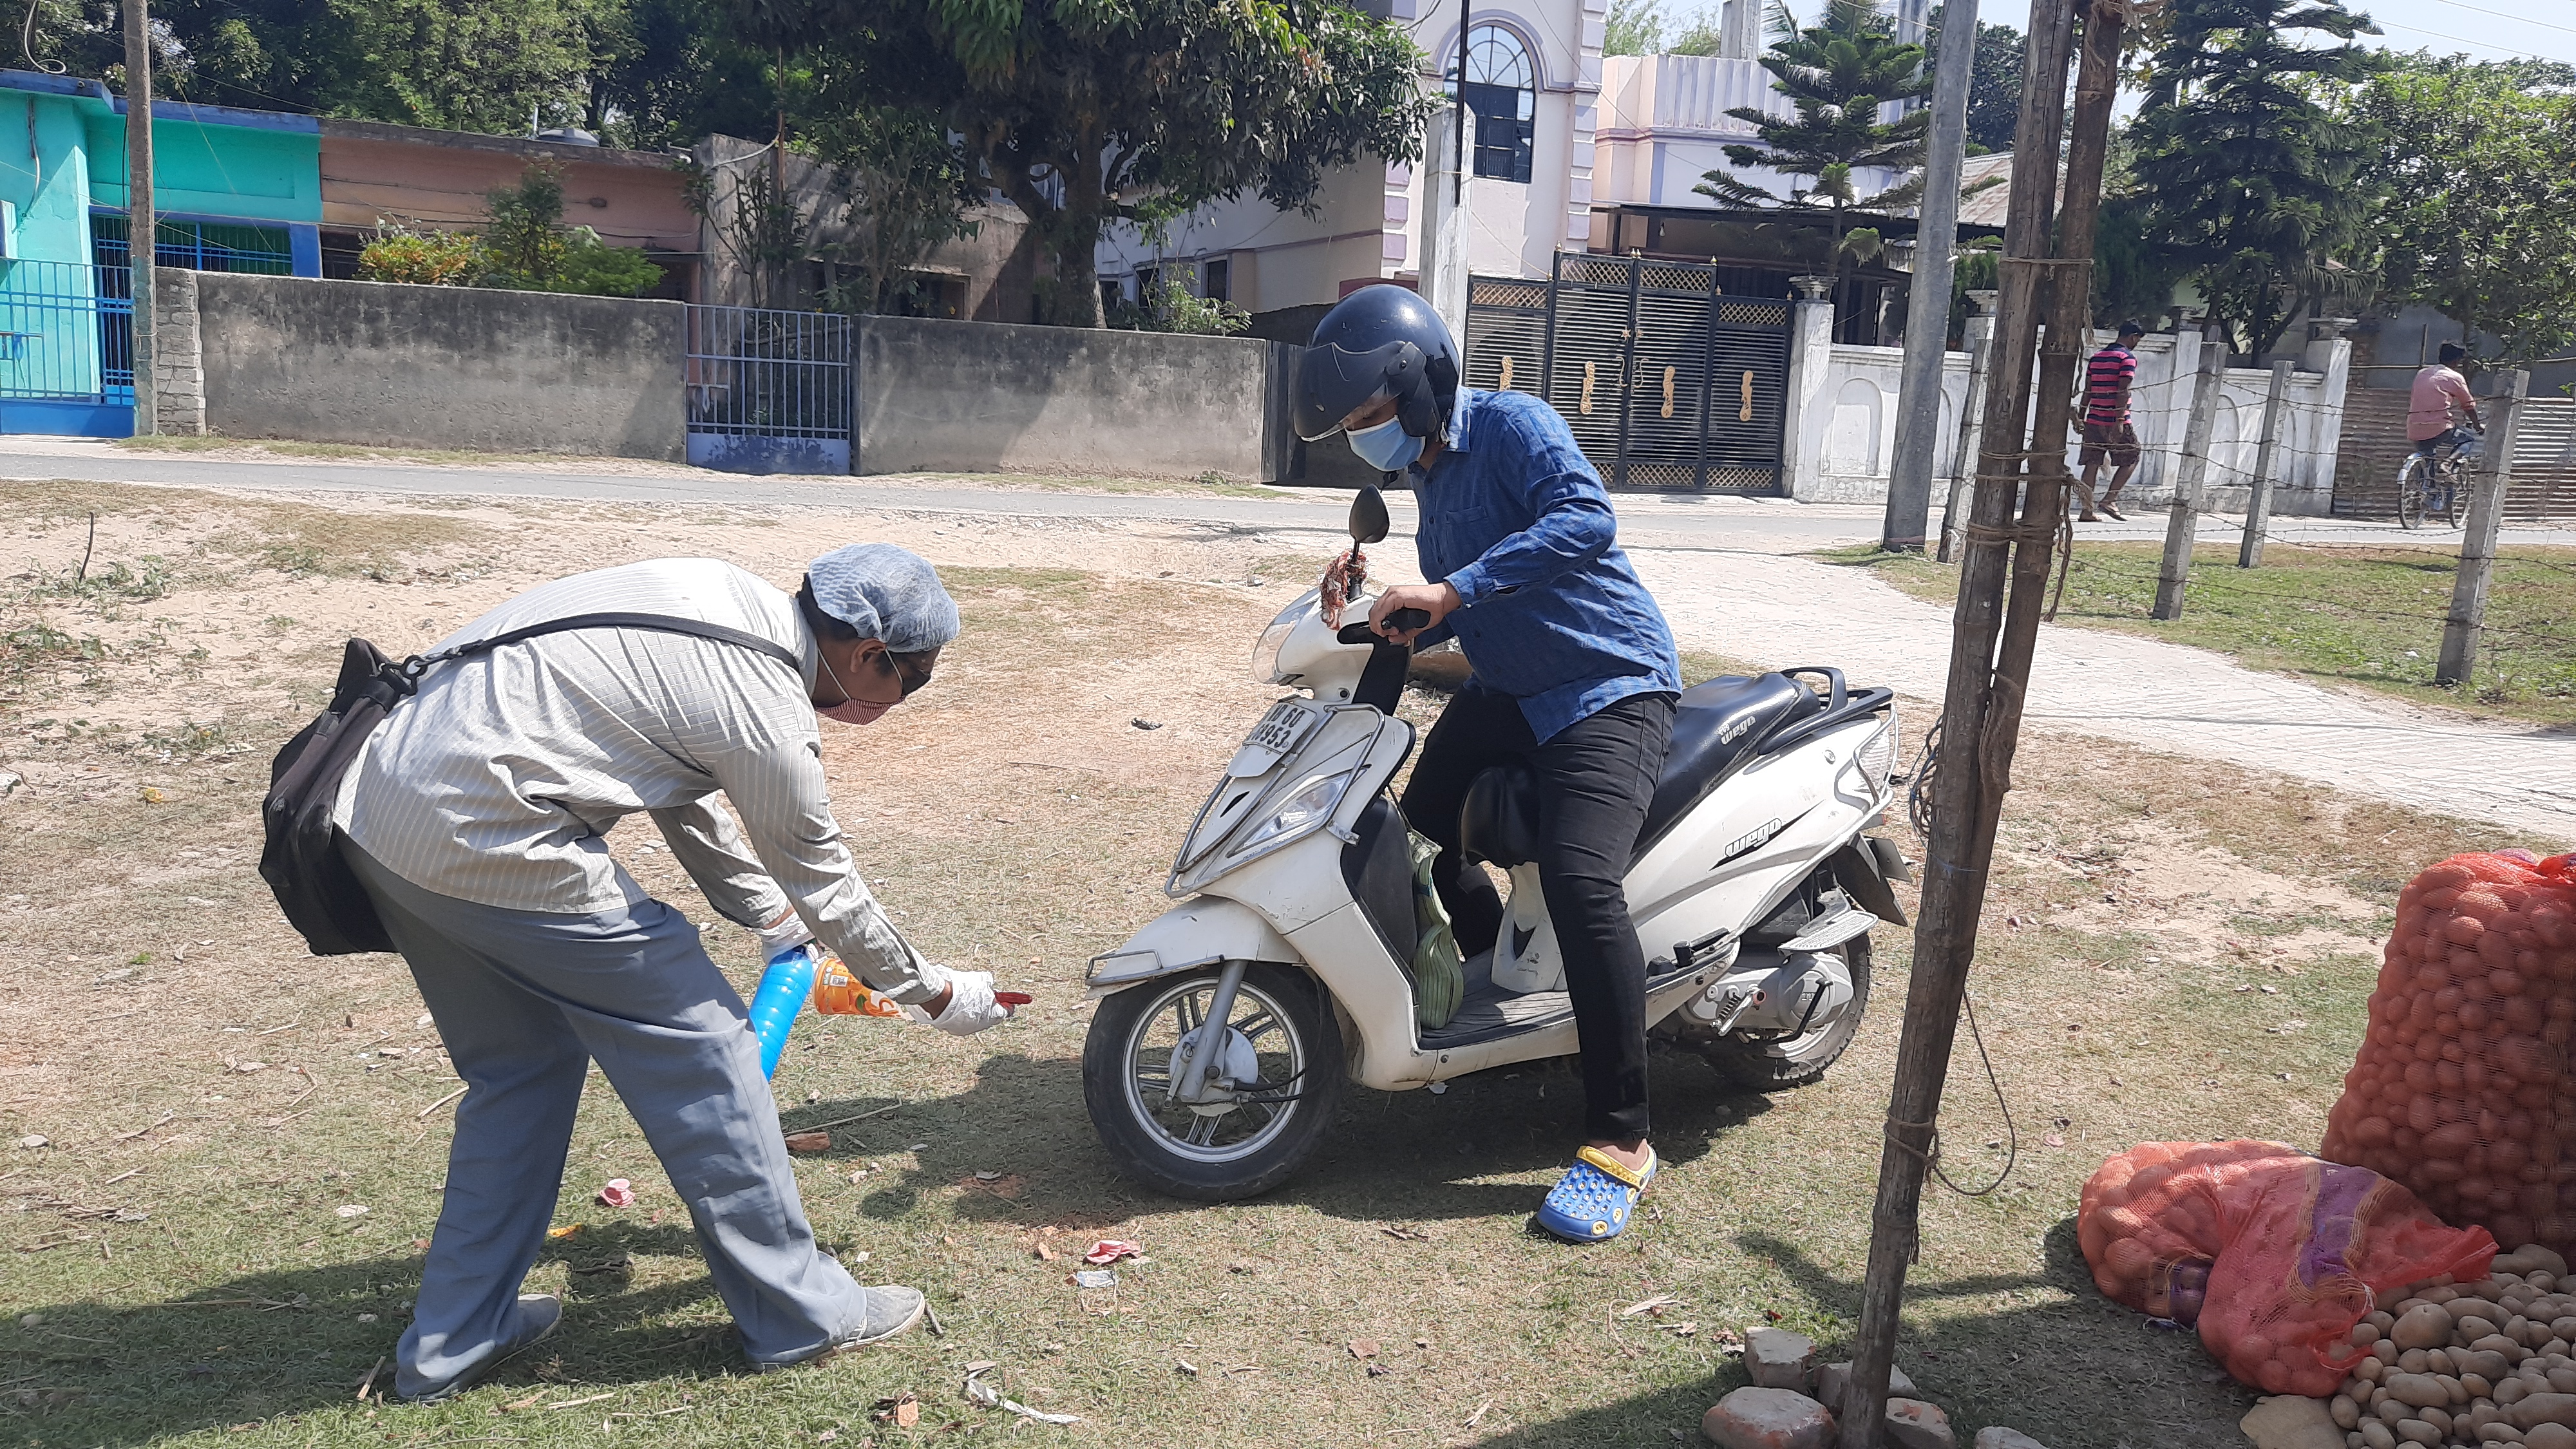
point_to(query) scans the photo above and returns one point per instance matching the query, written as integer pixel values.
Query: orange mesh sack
(2463, 1089)
(2271, 1254)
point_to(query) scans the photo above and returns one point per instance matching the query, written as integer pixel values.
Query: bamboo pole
(1982, 708)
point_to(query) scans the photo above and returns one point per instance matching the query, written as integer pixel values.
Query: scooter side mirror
(1368, 516)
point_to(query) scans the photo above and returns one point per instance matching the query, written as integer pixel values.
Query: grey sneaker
(540, 1314)
(889, 1312)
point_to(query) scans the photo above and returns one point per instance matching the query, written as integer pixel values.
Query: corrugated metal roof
(1987, 207)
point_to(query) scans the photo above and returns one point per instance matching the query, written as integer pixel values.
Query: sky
(2481, 29)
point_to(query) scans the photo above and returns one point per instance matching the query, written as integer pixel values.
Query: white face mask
(1386, 447)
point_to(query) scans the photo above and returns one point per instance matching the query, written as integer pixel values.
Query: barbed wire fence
(2513, 652)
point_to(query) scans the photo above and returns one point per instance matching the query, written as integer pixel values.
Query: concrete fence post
(2478, 542)
(2208, 380)
(2258, 506)
(178, 358)
(1811, 360)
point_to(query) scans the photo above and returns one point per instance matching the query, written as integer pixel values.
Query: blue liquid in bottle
(783, 989)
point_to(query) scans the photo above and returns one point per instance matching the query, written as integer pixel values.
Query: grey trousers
(525, 1000)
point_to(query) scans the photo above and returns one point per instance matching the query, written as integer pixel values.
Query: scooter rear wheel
(1236, 1145)
(1770, 1064)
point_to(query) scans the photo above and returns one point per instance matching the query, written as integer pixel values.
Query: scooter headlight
(1265, 654)
(1309, 805)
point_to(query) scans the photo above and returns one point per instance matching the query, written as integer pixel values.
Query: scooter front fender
(1198, 932)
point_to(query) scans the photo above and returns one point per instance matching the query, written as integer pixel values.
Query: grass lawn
(2368, 617)
(2173, 950)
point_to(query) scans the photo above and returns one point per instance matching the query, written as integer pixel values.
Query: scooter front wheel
(1267, 1099)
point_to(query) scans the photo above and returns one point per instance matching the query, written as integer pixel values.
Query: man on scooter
(1574, 674)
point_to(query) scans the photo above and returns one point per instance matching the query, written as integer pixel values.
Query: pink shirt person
(2440, 398)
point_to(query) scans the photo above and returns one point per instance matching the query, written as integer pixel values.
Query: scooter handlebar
(1361, 633)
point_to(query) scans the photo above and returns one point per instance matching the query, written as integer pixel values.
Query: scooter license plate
(1279, 732)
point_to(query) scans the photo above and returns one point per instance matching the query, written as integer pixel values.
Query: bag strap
(418, 664)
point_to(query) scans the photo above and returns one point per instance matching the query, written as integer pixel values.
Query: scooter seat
(1716, 724)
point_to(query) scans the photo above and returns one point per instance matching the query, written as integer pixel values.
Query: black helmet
(1381, 341)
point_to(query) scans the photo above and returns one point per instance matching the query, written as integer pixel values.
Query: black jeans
(1595, 779)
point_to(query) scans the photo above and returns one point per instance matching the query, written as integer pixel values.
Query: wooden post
(2258, 509)
(2206, 385)
(141, 225)
(2478, 542)
(1963, 467)
(1982, 704)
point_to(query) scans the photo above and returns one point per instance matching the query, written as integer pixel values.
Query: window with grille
(1501, 89)
(199, 246)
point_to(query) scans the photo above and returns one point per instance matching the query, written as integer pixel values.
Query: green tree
(1994, 84)
(2245, 179)
(1837, 74)
(676, 70)
(526, 246)
(1086, 113)
(1635, 27)
(2478, 210)
(910, 194)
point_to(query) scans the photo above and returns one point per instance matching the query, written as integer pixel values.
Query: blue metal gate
(66, 349)
(769, 390)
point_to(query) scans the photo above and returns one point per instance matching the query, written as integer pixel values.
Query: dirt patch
(2199, 901)
(213, 1097)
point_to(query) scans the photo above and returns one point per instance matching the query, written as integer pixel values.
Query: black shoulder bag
(301, 861)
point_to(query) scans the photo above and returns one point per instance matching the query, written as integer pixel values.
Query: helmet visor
(1333, 383)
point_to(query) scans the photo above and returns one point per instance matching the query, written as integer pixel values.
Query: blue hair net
(886, 593)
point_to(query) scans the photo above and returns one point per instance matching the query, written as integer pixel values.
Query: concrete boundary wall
(253, 356)
(985, 397)
(1840, 429)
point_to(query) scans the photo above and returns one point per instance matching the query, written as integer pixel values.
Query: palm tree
(1838, 74)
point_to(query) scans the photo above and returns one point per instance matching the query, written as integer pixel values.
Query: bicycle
(2437, 480)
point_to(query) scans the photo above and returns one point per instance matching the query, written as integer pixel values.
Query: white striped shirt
(496, 783)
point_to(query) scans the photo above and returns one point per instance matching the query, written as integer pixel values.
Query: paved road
(2163, 696)
(1673, 522)
(1726, 572)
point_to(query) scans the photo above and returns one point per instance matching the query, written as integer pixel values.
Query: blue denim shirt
(1516, 520)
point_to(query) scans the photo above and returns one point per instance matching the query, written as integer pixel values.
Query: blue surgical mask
(1386, 447)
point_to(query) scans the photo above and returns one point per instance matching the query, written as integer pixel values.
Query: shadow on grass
(1390, 1156)
(289, 1344)
(2073, 1371)
(272, 1345)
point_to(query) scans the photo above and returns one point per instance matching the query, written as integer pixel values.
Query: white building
(1561, 136)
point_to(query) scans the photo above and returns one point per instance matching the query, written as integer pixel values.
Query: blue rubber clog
(1596, 1197)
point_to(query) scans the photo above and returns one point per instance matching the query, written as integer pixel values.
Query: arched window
(1502, 90)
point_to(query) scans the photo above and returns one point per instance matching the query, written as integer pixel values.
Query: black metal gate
(1670, 385)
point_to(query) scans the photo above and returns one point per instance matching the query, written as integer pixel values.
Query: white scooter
(1753, 890)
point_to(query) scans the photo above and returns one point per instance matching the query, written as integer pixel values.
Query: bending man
(476, 819)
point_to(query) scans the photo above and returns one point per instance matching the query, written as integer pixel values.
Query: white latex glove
(783, 935)
(971, 1007)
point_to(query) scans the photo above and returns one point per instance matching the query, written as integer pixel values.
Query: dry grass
(1016, 819)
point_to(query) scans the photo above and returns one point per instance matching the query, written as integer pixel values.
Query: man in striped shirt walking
(476, 819)
(2107, 431)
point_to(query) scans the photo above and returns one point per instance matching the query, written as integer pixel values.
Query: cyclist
(2434, 410)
